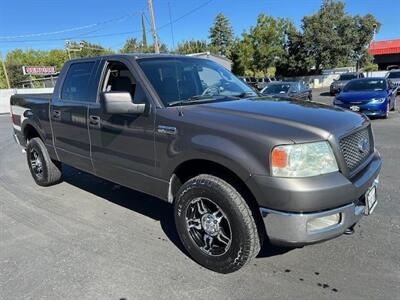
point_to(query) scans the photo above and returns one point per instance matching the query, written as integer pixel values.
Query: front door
(123, 144)
(68, 113)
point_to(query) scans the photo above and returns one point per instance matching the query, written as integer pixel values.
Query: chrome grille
(356, 148)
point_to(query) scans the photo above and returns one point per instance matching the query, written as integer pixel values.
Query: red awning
(384, 47)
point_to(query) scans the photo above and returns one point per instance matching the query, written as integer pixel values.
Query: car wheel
(309, 98)
(387, 111)
(44, 170)
(215, 224)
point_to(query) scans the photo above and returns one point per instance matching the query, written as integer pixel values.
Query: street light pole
(5, 70)
(153, 26)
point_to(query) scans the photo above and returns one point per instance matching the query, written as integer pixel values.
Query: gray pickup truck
(238, 168)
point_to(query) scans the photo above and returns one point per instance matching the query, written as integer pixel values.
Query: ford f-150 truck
(238, 168)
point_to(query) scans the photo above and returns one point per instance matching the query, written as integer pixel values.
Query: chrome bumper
(291, 228)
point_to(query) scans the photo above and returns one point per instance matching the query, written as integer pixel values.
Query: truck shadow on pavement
(144, 204)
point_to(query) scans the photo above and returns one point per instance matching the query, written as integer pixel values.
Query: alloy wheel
(208, 226)
(36, 163)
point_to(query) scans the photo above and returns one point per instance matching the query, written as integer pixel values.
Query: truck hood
(299, 121)
(360, 96)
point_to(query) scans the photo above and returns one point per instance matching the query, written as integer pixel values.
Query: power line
(114, 33)
(117, 19)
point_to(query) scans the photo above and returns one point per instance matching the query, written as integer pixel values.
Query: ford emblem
(363, 145)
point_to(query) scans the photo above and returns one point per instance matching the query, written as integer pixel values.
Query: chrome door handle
(166, 129)
(94, 120)
(56, 114)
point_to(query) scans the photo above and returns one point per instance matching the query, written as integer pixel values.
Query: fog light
(323, 222)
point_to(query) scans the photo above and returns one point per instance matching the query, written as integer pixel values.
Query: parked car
(394, 77)
(262, 82)
(295, 90)
(251, 81)
(372, 96)
(338, 84)
(237, 168)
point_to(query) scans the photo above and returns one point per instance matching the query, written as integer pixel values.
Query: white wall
(6, 94)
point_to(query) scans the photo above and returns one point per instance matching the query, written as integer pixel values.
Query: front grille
(356, 148)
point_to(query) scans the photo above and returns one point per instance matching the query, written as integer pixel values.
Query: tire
(44, 170)
(386, 116)
(309, 98)
(235, 239)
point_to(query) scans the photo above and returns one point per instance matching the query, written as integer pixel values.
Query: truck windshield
(365, 85)
(190, 80)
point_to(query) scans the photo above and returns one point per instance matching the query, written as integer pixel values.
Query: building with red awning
(386, 53)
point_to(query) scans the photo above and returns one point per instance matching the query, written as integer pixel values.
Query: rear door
(69, 111)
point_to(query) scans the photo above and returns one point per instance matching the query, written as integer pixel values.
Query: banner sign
(39, 70)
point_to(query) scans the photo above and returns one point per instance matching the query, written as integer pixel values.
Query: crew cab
(237, 167)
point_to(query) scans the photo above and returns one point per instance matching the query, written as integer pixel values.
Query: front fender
(216, 149)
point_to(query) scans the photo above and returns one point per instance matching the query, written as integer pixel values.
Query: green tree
(221, 36)
(192, 46)
(131, 46)
(296, 60)
(262, 47)
(334, 38)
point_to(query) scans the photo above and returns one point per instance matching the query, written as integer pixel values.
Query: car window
(347, 76)
(394, 74)
(76, 83)
(119, 78)
(276, 88)
(303, 87)
(295, 88)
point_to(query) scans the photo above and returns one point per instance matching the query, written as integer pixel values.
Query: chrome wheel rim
(36, 163)
(208, 226)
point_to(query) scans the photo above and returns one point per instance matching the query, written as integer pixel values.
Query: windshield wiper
(193, 99)
(246, 94)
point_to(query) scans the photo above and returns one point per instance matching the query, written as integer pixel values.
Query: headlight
(303, 160)
(377, 100)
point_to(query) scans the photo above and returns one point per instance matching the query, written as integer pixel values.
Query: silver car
(394, 77)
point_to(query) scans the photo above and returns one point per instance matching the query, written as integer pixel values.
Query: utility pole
(5, 70)
(153, 26)
(144, 37)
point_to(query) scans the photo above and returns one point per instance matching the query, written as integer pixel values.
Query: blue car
(371, 96)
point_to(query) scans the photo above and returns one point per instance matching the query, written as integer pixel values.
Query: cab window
(76, 83)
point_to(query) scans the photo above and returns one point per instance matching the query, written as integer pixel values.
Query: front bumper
(368, 109)
(288, 204)
(291, 229)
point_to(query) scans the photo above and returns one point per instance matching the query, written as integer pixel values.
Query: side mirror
(120, 103)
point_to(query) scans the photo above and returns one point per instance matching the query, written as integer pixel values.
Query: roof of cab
(135, 56)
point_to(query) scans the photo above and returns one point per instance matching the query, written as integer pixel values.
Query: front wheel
(44, 170)
(215, 224)
(387, 111)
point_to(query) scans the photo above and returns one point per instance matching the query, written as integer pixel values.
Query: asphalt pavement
(87, 238)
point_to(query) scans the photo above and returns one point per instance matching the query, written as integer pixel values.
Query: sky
(46, 24)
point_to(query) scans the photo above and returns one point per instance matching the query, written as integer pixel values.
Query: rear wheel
(215, 224)
(44, 170)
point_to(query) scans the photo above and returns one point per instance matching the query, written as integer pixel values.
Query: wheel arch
(194, 167)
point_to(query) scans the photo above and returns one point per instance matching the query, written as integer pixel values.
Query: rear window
(76, 83)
